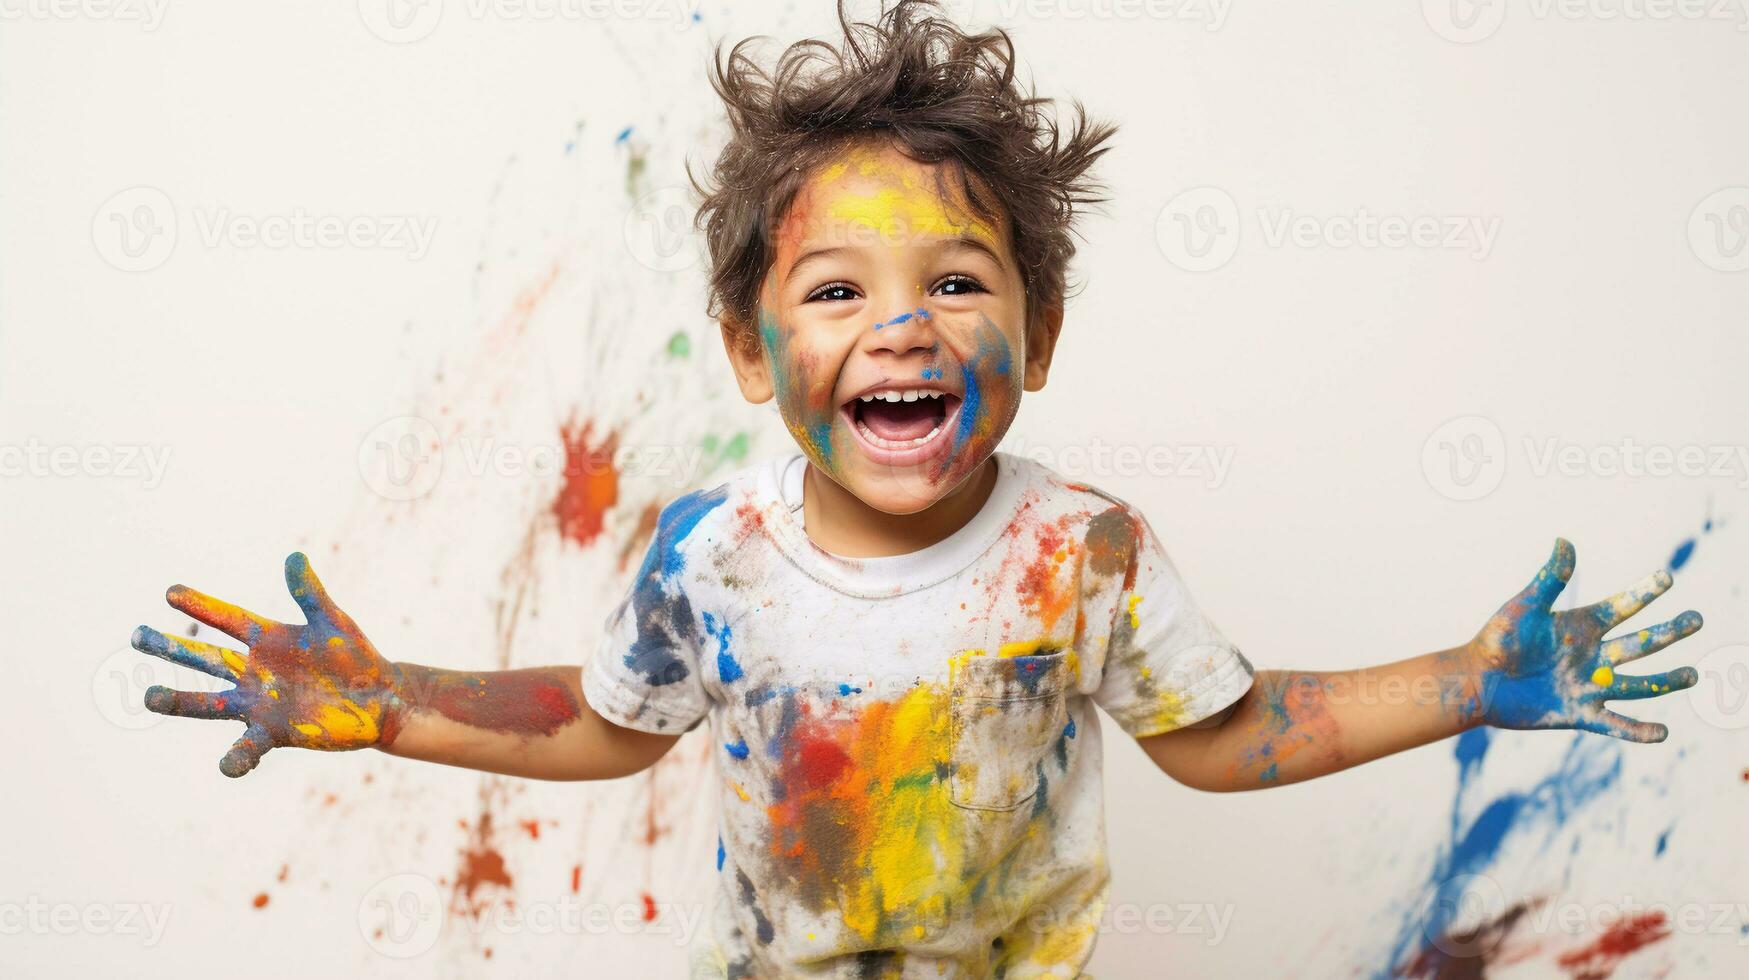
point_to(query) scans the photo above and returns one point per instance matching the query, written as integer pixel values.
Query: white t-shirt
(908, 754)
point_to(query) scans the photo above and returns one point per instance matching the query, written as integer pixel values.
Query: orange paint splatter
(591, 486)
(576, 878)
(482, 866)
(260, 901)
(533, 828)
(649, 908)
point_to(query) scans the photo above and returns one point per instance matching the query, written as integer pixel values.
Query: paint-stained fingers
(1620, 726)
(246, 752)
(1651, 685)
(1650, 640)
(306, 589)
(232, 620)
(1618, 608)
(193, 654)
(193, 704)
(1551, 578)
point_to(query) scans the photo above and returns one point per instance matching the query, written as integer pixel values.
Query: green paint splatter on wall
(679, 345)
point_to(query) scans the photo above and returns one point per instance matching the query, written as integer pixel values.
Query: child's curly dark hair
(944, 96)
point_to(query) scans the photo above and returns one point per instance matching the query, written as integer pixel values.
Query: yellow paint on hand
(740, 791)
(1135, 620)
(1603, 677)
(234, 660)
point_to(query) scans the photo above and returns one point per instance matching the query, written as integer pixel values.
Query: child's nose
(904, 330)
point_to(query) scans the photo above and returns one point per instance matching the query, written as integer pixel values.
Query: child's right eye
(832, 292)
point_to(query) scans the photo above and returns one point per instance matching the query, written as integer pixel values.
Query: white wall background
(1608, 308)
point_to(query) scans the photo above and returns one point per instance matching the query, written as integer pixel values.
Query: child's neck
(839, 522)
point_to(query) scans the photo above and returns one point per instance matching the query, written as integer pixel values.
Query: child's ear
(751, 371)
(1041, 343)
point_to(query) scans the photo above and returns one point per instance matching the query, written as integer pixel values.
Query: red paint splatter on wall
(1599, 959)
(576, 878)
(260, 901)
(591, 486)
(533, 828)
(649, 908)
(482, 866)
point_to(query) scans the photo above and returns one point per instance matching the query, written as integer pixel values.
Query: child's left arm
(1529, 667)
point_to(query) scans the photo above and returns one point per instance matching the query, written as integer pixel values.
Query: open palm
(1539, 668)
(318, 685)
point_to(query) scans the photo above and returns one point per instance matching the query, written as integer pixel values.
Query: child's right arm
(322, 685)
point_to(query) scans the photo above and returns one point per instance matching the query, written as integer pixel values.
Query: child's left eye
(958, 285)
(834, 292)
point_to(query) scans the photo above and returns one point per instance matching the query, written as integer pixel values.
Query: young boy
(897, 634)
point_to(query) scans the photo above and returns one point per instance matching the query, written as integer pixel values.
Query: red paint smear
(260, 901)
(529, 701)
(533, 828)
(821, 760)
(1602, 956)
(591, 485)
(649, 908)
(282, 871)
(576, 878)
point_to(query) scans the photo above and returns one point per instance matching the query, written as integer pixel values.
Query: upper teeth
(902, 396)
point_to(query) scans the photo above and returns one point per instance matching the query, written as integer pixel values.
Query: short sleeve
(1166, 665)
(644, 673)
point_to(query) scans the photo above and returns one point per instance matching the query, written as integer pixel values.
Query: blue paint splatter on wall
(1589, 768)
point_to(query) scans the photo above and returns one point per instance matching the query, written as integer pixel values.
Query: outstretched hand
(1539, 668)
(318, 685)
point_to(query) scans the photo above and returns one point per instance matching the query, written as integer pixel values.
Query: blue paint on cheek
(1069, 729)
(737, 748)
(970, 404)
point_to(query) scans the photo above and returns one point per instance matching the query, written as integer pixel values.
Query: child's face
(880, 286)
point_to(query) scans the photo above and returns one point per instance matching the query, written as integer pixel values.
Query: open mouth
(902, 425)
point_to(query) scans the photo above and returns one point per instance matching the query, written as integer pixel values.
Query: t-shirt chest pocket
(1005, 713)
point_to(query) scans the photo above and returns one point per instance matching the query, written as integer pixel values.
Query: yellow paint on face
(1603, 677)
(901, 202)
